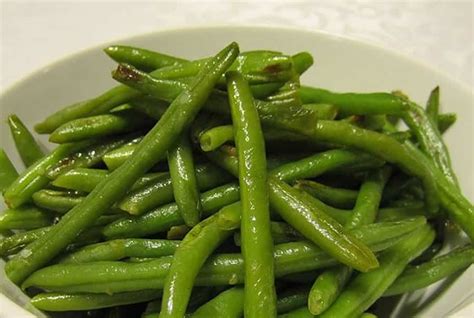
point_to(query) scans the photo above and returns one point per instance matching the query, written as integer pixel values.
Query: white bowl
(340, 64)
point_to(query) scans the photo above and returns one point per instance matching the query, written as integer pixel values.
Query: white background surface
(35, 33)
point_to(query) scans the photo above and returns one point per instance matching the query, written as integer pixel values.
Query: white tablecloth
(35, 33)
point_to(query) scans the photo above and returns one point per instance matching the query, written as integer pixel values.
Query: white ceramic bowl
(341, 64)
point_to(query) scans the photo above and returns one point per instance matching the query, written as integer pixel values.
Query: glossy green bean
(25, 143)
(184, 181)
(8, 172)
(193, 251)
(80, 179)
(296, 209)
(301, 312)
(34, 178)
(355, 103)
(281, 233)
(366, 288)
(24, 218)
(430, 140)
(425, 274)
(89, 156)
(73, 302)
(12, 244)
(117, 157)
(100, 126)
(221, 269)
(229, 304)
(379, 145)
(291, 299)
(215, 137)
(432, 106)
(337, 197)
(162, 218)
(58, 201)
(121, 248)
(160, 191)
(177, 232)
(177, 118)
(142, 58)
(260, 295)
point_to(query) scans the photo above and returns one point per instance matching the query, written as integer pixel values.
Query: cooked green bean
(221, 269)
(160, 191)
(425, 274)
(355, 103)
(58, 201)
(215, 137)
(432, 106)
(117, 157)
(291, 299)
(164, 217)
(191, 254)
(177, 232)
(89, 156)
(72, 302)
(281, 233)
(24, 218)
(184, 181)
(146, 59)
(25, 143)
(80, 179)
(366, 288)
(100, 126)
(121, 248)
(337, 197)
(34, 179)
(12, 244)
(229, 304)
(430, 140)
(177, 118)
(260, 295)
(8, 172)
(301, 312)
(297, 210)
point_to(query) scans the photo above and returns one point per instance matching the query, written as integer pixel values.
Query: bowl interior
(340, 64)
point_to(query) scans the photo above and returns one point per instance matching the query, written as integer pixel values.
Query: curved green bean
(193, 251)
(366, 288)
(184, 181)
(425, 274)
(260, 295)
(25, 143)
(73, 302)
(100, 126)
(8, 172)
(229, 304)
(177, 118)
(122, 248)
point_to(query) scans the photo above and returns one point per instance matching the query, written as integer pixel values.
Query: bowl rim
(391, 53)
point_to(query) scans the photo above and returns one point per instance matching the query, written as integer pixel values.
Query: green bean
(425, 274)
(291, 299)
(337, 197)
(430, 140)
(299, 212)
(221, 269)
(89, 156)
(281, 233)
(145, 59)
(164, 217)
(329, 284)
(260, 296)
(229, 304)
(432, 106)
(160, 191)
(80, 179)
(69, 302)
(8, 172)
(215, 137)
(323, 111)
(100, 126)
(445, 121)
(150, 107)
(117, 157)
(58, 201)
(34, 179)
(366, 288)
(177, 118)
(24, 218)
(25, 143)
(381, 146)
(355, 103)
(301, 312)
(184, 181)
(121, 248)
(12, 244)
(177, 232)
(189, 257)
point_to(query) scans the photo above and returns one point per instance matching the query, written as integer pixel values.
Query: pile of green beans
(221, 187)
